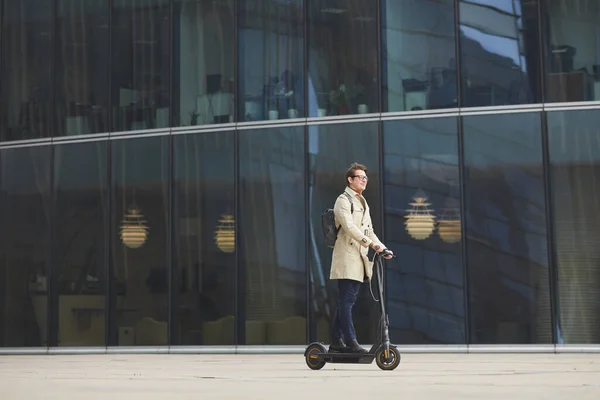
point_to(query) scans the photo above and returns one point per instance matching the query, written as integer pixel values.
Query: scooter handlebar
(386, 253)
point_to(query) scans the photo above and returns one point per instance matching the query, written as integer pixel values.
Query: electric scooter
(386, 355)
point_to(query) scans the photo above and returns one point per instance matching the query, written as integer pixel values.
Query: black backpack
(330, 231)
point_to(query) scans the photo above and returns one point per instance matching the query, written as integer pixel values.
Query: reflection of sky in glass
(504, 5)
(497, 45)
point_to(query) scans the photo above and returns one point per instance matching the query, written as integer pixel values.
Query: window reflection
(139, 274)
(140, 65)
(507, 263)
(272, 215)
(426, 290)
(271, 58)
(572, 66)
(79, 248)
(343, 57)
(499, 49)
(82, 46)
(204, 239)
(573, 142)
(419, 67)
(332, 149)
(203, 52)
(27, 91)
(25, 245)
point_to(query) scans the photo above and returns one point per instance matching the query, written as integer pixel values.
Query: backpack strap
(351, 203)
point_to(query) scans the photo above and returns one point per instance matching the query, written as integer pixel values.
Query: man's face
(359, 180)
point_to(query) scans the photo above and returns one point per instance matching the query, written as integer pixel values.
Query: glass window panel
(271, 59)
(140, 65)
(572, 49)
(500, 52)
(139, 267)
(204, 238)
(425, 291)
(203, 62)
(507, 263)
(272, 229)
(27, 89)
(419, 59)
(342, 57)
(82, 48)
(332, 149)
(24, 246)
(80, 234)
(575, 172)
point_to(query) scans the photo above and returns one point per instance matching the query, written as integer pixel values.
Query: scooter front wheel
(387, 362)
(311, 356)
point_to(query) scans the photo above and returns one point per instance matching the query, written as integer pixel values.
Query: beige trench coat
(350, 259)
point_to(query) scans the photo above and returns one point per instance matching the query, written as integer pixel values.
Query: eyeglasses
(361, 177)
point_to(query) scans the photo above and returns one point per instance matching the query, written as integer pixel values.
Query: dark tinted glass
(80, 241)
(342, 57)
(500, 52)
(82, 68)
(24, 246)
(271, 59)
(140, 65)
(272, 235)
(572, 50)
(204, 239)
(332, 149)
(203, 62)
(507, 261)
(27, 90)
(419, 59)
(138, 268)
(575, 172)
(425, 289)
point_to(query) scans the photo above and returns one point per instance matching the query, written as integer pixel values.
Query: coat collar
(352, 192)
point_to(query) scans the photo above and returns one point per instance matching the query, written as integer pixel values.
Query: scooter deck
(346, 358)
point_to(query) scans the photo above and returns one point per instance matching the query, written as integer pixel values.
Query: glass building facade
(164, 165)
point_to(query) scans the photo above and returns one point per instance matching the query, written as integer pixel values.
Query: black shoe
(337, 346)
(354, 347)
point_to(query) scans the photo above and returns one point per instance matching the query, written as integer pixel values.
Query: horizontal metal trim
(420, 112)
(269, 122)
(344, 117)
(573, 104)
(273, 126)
(511, 111)
(299, 349)
(342, 121)
(578, 108)
(73, 138)
(195, 128)
(142, 135)
(426, 116)
(509, 348)
(141, 132)
(502, 107)
(210, 130)
(25, 143)
(82, 140)
(137, 350)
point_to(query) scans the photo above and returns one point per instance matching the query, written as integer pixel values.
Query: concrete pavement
(419, 376)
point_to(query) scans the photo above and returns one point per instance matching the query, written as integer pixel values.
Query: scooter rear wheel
(390, 362)
(311, 353)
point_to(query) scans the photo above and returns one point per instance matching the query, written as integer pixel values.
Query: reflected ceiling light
(449, 225)
(225, 234)
(134, 230)
(419, 221)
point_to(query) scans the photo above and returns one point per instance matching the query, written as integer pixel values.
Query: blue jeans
(342, 326)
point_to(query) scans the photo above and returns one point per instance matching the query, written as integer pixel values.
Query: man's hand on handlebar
(387, 253)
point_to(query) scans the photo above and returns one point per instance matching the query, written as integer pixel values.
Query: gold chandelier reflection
(449, 225)
(134, 230)
(225, 234)
(419, 221)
